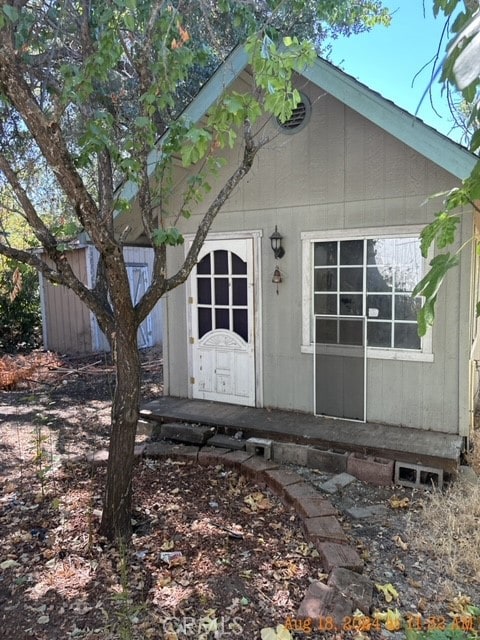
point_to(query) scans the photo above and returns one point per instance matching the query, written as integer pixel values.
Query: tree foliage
(91, 98)
(461, 69)
(19, 307)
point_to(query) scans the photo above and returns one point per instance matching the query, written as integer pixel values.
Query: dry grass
(34, 367)
(447, 528)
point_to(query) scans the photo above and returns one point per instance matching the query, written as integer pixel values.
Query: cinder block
(416, 475)
(259, 447)
(288, 453)
(378, 471)
(327, 460)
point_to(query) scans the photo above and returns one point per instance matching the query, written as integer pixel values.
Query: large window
(372, 277)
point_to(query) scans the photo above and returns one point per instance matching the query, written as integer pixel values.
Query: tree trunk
(117, 507)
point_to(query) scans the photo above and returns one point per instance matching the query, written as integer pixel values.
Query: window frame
(308, 239)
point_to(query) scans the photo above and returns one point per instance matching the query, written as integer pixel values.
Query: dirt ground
(212, 556)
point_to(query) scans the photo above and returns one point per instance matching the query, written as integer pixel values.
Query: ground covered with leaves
(212, 555)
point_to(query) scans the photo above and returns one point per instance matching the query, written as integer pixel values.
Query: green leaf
(429, 286)
(129, 21)
(142, 121)
(11, 12)
(171, 237)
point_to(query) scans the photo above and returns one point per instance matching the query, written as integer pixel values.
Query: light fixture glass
(276, 242)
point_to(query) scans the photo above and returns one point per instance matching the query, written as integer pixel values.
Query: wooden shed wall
(341, 172)
(66, 319)
(68, 325)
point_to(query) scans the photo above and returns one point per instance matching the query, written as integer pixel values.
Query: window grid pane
(377, 275)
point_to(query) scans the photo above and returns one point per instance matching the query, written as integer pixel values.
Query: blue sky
(388, 58)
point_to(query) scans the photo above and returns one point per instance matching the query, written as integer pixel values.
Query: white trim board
(307, 240)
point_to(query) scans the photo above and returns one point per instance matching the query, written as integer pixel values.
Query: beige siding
(66, 318)
(69, 326)
(340, 172)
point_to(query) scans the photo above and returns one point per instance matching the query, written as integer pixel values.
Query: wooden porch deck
(428, 448)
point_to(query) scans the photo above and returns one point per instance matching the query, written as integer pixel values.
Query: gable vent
(299, 117)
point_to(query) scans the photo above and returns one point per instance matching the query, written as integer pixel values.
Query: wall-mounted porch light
(276, 242)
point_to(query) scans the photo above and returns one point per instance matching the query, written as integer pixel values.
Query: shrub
(20, 317)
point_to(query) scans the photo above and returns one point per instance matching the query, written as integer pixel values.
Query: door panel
(138, 280)
(221, 320)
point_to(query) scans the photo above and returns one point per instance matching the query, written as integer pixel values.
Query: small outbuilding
(70, 327)
(302, 295)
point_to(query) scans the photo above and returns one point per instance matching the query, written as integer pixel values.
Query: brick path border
(318, 516)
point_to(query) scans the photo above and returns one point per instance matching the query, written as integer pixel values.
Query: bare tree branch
(250, 151)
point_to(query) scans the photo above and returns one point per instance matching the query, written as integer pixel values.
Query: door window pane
(204, 291)
(351, 279)
(221, 291)
(325, 279)
(239, 267)
(204, 321)
(325, 304)
(203, 266)
(221, 319)
(240, 323)
(239, 287)
(351, 332)
(406, 336)
(326, 331)
(379, 334)
(220, 259)
(351, 305)
(351, 252)
(325, 253)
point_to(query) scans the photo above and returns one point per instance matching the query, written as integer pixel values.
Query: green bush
(20, 317)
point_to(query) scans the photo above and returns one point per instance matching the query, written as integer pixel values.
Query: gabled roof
(407, 128)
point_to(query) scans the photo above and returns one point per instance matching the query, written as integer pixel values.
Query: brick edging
(345, 590)
(318, 516)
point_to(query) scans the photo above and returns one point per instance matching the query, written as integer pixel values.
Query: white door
(222, 323)
(138, 280)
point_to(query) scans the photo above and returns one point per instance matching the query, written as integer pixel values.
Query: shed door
(221, 307)
(138, 280)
